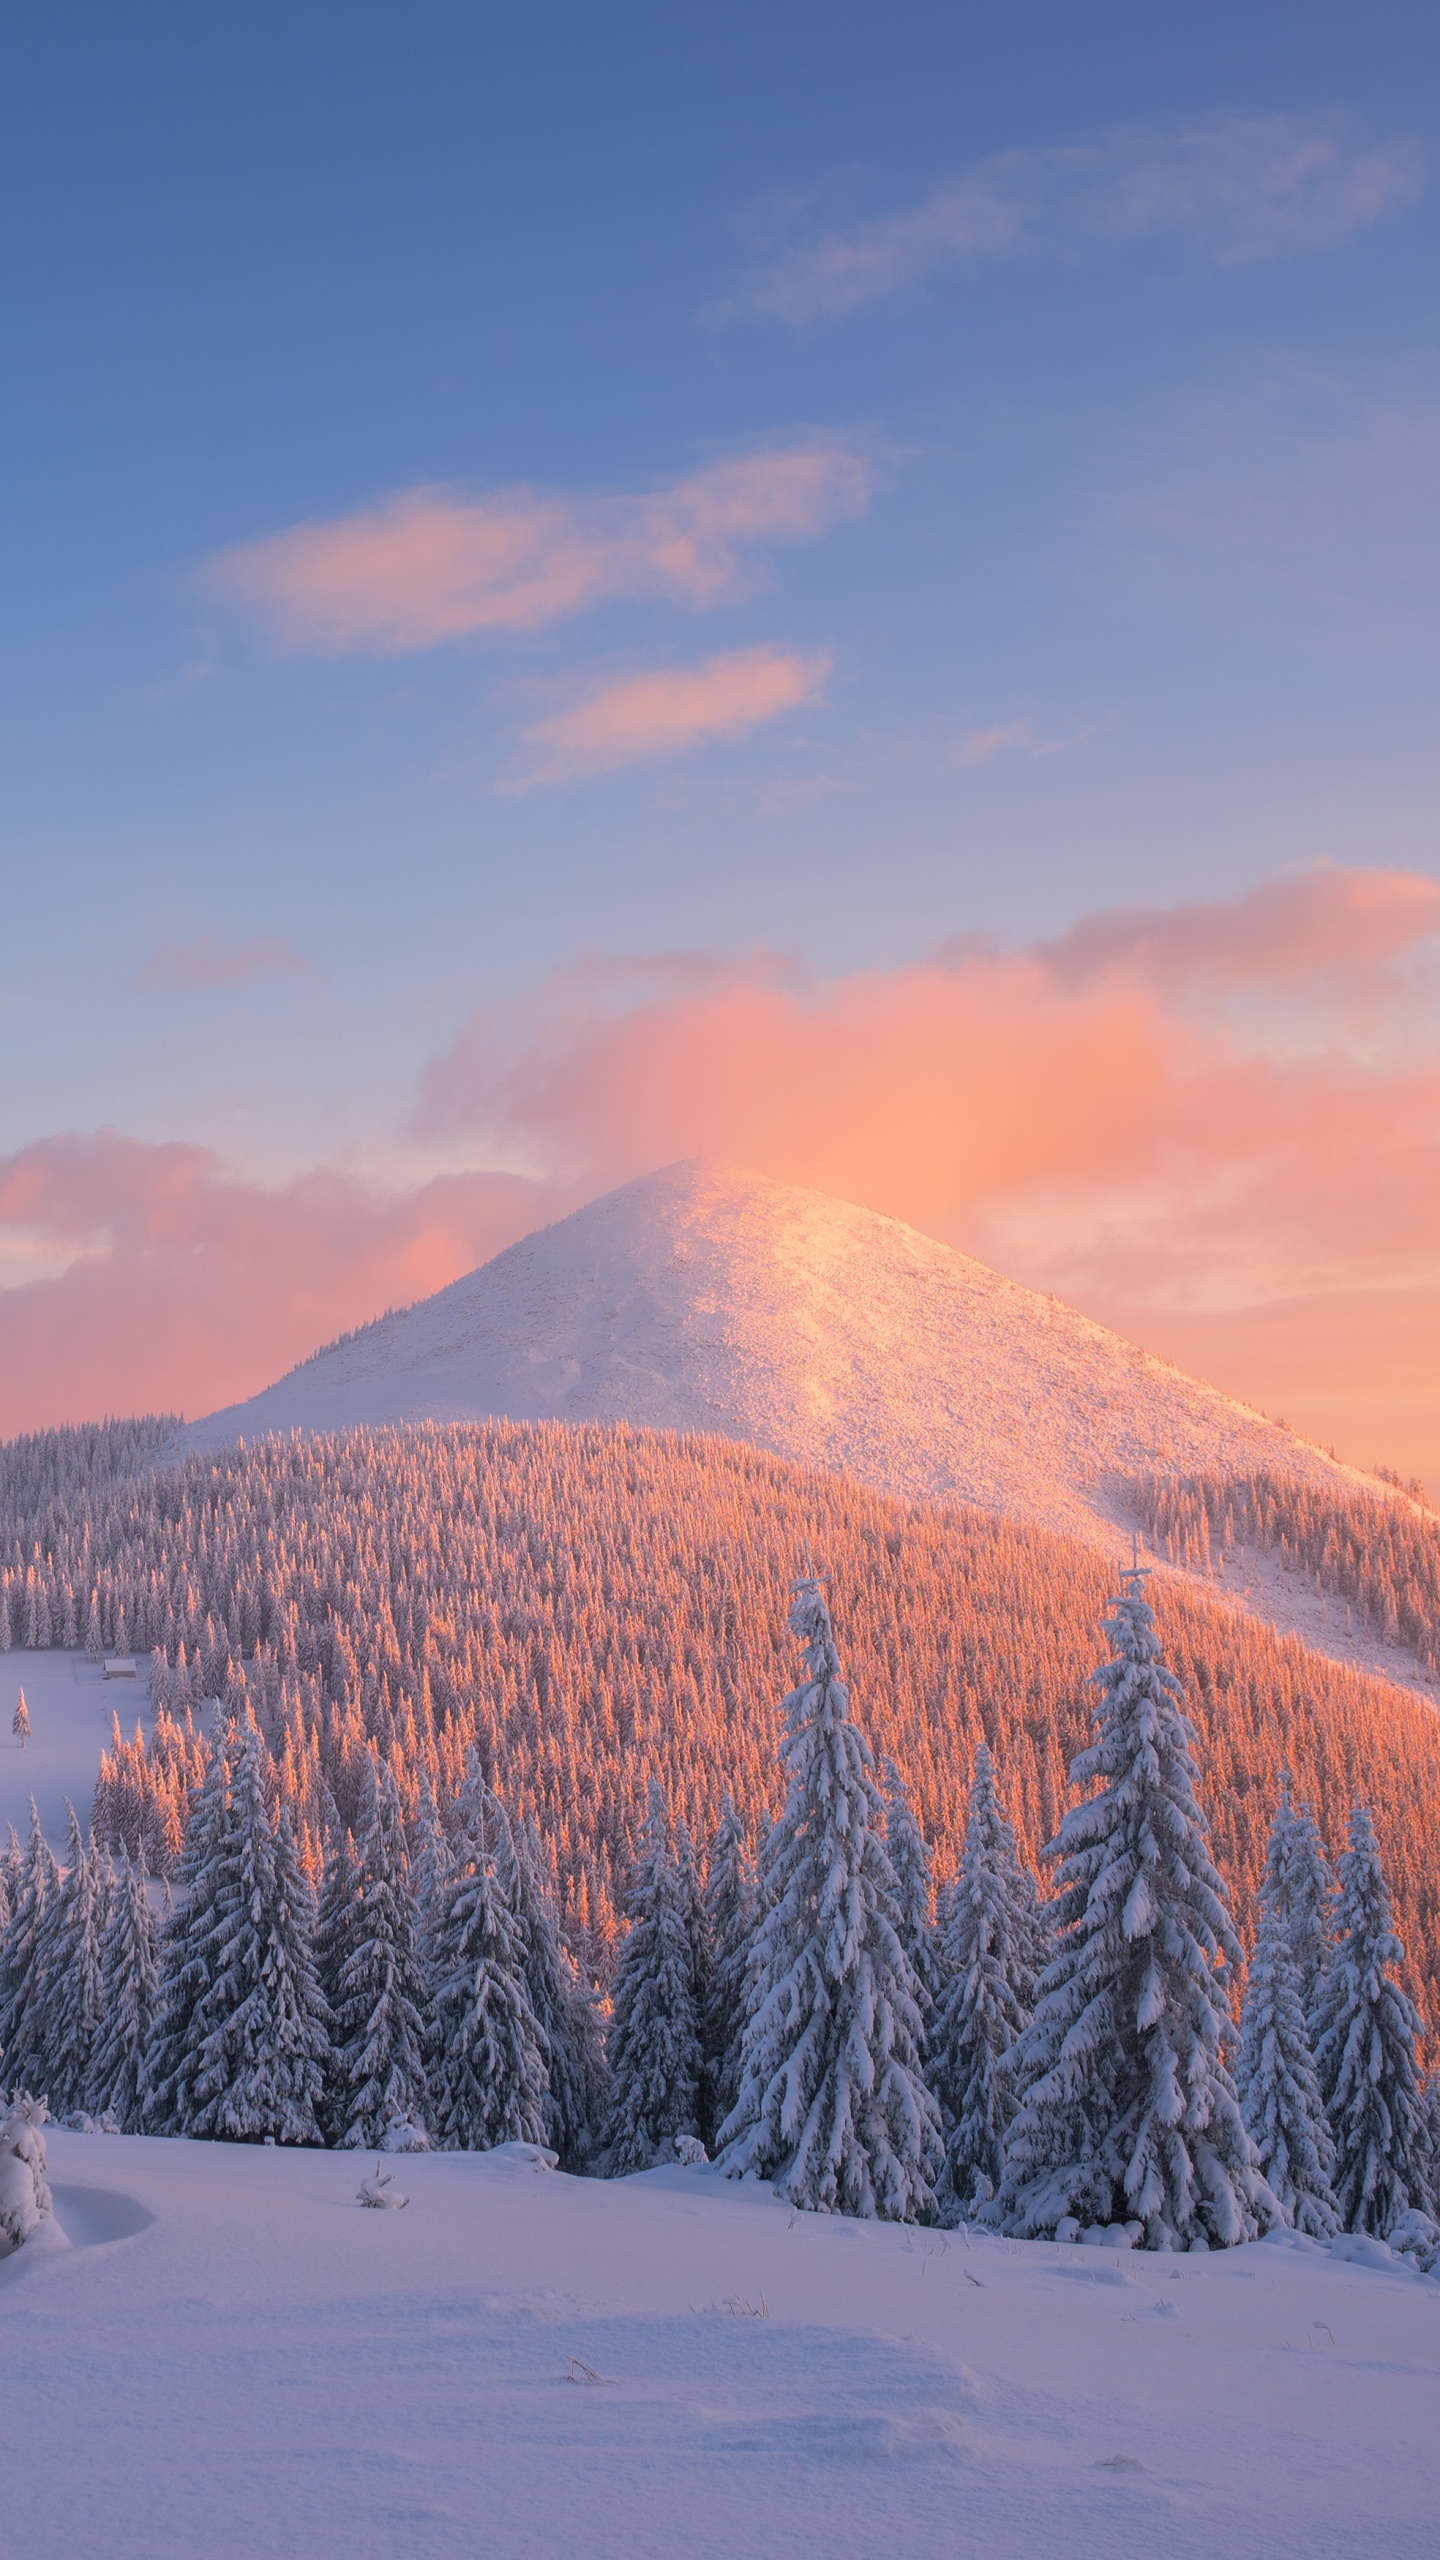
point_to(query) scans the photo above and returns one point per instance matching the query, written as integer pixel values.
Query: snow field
(71, 1704)
(262, 2367)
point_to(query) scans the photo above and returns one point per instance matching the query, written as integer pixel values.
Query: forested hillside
(1377, 1553)
(590, 1605)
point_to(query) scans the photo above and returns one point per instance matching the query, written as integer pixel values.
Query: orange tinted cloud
(1182, 1119)
(434, 565)
(187, 1288)
(668, 709)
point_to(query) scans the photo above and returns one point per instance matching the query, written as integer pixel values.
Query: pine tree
(20, 1721)
(914, 1894)
(1127, 2111)
(129, 1999)
(1365, 2051)
(653, 2045)
(988, 1952)
(189, 1955)
(1279, 2093)
(429, 1866)
(484, 2047)
(261, 2028)
(23, 2005)
(730, 1914)
(1298, 1886)
(570, 2029)
(69, 1954)
(380, 1988)
(832, 2105)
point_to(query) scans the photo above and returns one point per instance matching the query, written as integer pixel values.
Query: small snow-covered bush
(690, 2151)
(24, 2196)
(378, 2192)
(1417, 2238)
(405, 2136)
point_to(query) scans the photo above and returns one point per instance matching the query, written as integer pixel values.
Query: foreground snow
(231, 2357)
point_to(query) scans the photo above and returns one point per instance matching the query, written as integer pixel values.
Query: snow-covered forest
(367, 1943)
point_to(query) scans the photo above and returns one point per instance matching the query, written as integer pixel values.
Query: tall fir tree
(1299, 1888)
(572, 2037)
(1127, 2111)
(988, 1952)
(833, 2104)
(653, 2044)
(69, 1956)
(261, 2028)
(730, 1913)
(189, 1954)
(129, 1998)
(909, 1853)
(1279, 2092)
(485, 2050)
(429, 1866)
(1366, 2032)
(24, 2060)
(379, 2000)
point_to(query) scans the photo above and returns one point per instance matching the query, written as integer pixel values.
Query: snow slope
(706, 1299)
(232, 2359)
(71, 1707)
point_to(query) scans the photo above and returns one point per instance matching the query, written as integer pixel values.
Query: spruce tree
(653, 2044)
(914, 1894)
(571, 2032)
(1127, 2111)
(833, 2105)
(988, 1952)
(380, 1988)
(23, 2002)
(129, 1998)
(1299, 1888)
(69, 1955)
(1365, 2051)
(484, 2047)
(730, 1921)
(261, 2028)
(188, 1954)
(1279, 2093)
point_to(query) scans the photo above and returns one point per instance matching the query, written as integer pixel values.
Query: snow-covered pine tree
(573, 2039)
(730, 1920)
(129, 1998)
(1429, 2149)
(485, 2050)
(188, 1954)
(1127, 2111)
(1300, 1889)
(20, 1721)
(23, 2004)
(988, 1955)
(1366, 2031)
(833, 2104)
(429, 1866)
(380, 1990)
(914, 1893)
(262, 2027)
(1279, 2093)
(70, 1950)
(653, 2044)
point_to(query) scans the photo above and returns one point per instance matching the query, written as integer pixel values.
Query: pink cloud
(189, 1287)
(668, 709)
(206, 962)
(1123, 1114)
(1238, 187)
(434, 565)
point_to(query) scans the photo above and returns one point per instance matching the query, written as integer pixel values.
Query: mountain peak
(708, 1297)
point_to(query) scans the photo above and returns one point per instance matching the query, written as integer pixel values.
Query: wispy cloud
(426, 566)
(666, 710)
(207, 962)
(1239, 188)
(979, 745)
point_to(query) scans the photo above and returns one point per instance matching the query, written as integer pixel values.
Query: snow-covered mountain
(702, 1298)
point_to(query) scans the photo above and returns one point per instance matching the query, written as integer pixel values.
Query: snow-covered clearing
(232, 2358)
(71, 1704)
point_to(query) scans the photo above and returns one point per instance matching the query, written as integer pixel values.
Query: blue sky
(264, 267)
(551, 555)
